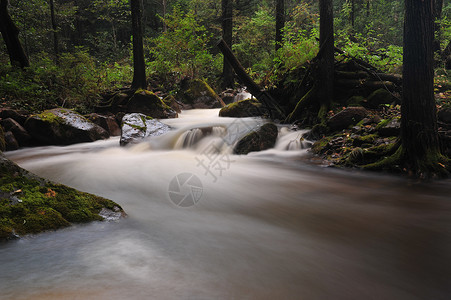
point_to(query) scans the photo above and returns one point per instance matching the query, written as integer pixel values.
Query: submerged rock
(63, 127)
(242, 109)
(136, 127)
(261, 139)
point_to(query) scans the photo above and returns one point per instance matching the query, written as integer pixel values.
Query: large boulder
(136, 127)
(146, 102)
(347, 117)
(242, 109)
(197, 93)
(20, 134)
(61, 126)
(260, 139)
(379, 97)
(106, 122)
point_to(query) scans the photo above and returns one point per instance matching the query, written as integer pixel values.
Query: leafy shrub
(182, 50)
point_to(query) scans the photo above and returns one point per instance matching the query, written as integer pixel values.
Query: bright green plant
(183, 49)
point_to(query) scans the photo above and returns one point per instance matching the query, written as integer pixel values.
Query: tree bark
(10, 35)
(419, 138)
(326, 62)
(227, 35)
(54, 29)
(280, 22)
(139, 68)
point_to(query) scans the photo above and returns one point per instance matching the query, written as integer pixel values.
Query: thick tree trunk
(326, 62)
(280, 22)
(419, 122)
(10, 35)
(227, 35)
(139, 68)
(54, 30)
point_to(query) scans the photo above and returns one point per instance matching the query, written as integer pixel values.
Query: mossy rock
(389, 127)
(356, 101)
(197, 93)
(170, 101)
(242, 109)
(30, 204)
(146, 102)
(380, 97)
(61, 126)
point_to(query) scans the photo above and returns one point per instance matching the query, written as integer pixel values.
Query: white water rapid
(268, 225)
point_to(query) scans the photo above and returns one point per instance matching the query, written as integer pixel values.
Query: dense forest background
(85, 49)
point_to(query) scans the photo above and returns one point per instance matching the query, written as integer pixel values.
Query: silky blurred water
(269, 225)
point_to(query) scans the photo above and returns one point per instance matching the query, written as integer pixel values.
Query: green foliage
(182, 50)
(76, 82)
(369, 48)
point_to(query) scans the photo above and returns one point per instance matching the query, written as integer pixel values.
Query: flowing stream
(205, 224)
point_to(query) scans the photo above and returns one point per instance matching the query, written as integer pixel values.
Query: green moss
(242, 109)
(44, 205)
(355, 101)
(50, 117)
(319, 146)
(197, 88)
(382, 123)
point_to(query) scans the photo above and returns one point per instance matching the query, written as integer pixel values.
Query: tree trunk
(139, 71)
(54, 30)
(419, 139)
(10, 35)
(280, 22)
(367, 8)
(165, 27)
(352, 13)
(227, 35)
(326, 62)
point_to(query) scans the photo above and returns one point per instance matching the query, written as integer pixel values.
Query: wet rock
(172, 103)
(378, 97)
(242, 109)
(18, 115)
(228, 96)
(136, 127)
(106, 122)
(10, 141)
(261, 139)
(444, 115)
(390, 127)
(347, 117)
(20, 134)
(146, 102)
(197, 93)
(112, 214)
(63, 127)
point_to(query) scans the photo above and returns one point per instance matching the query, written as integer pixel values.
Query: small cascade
(292, 140)
(192, 137)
